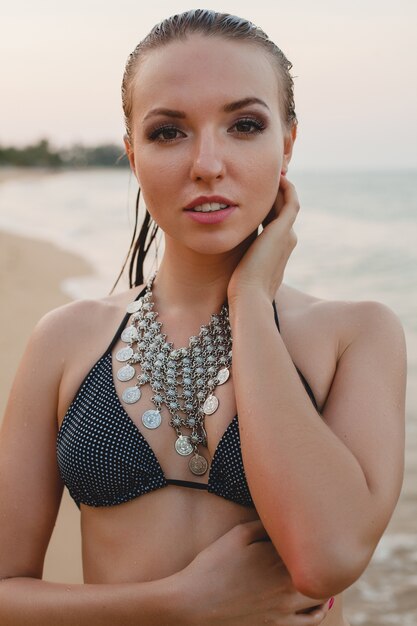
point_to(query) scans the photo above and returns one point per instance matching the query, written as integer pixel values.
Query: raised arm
(233, 579)
(325, 486)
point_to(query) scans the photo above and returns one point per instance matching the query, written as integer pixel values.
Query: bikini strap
(303, 380)
(122, 325)
(276, 315)
(186, 483)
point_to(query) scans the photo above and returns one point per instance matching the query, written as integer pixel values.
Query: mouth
(209, 207)
(209, 204)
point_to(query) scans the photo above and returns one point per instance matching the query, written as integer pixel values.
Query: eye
(165, 134)
(248, 126)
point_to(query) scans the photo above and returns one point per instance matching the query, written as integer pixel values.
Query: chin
(221, 245)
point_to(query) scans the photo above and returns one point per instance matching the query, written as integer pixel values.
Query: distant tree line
(41, 154)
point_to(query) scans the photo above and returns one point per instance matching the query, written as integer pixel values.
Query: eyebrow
(228, 108)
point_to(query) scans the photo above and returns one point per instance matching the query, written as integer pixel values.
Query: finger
(290, 197)
(285, 207)
(273, 214)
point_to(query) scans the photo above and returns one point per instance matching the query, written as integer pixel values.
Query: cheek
(156, 180)
(265, 174)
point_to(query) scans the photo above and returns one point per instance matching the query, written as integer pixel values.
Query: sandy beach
(31, 275)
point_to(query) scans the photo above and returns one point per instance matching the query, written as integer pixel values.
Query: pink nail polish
(331, 602)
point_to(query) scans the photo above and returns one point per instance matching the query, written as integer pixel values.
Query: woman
(185, 508)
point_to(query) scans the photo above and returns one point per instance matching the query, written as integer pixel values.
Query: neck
(194, 284)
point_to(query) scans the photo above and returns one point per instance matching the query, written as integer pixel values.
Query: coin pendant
(223, 375)
(131, 395)
(198, 465)
(134, 306)
(129, 334)
(125, 373)
(210, 405)
(124, 354)
(183, 445)
(151, 419)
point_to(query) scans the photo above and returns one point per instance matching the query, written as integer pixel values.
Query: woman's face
(206, 122)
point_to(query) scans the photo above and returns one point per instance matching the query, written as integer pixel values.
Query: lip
(208, 199)
(211, 217)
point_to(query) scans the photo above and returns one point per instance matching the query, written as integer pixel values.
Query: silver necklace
(182, 379)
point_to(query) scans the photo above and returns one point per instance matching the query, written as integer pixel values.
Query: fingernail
(331, 602)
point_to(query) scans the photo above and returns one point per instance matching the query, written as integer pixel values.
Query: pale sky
(61, 66)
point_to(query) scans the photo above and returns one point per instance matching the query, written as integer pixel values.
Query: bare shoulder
(83, 320)
(318, 332)
(343, 320)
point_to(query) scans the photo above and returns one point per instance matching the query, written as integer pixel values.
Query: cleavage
(162, 439)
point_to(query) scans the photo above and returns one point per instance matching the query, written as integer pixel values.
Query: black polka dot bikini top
(105, 460)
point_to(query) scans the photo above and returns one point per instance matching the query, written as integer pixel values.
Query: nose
(208, 159)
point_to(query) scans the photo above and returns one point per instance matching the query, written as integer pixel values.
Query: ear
(130, 154)
(289, 140)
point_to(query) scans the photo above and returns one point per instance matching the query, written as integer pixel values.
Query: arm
(30, 602)
(234, 579)
(324, 486)
(30, 494)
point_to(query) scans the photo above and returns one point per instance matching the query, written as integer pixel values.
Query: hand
(263, 264)
(239, 580)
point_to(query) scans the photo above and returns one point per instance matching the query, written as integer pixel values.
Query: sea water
(357, 240)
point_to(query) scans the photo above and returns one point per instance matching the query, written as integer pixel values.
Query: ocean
(357, 236)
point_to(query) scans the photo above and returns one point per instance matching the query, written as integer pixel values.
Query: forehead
(204, 69)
